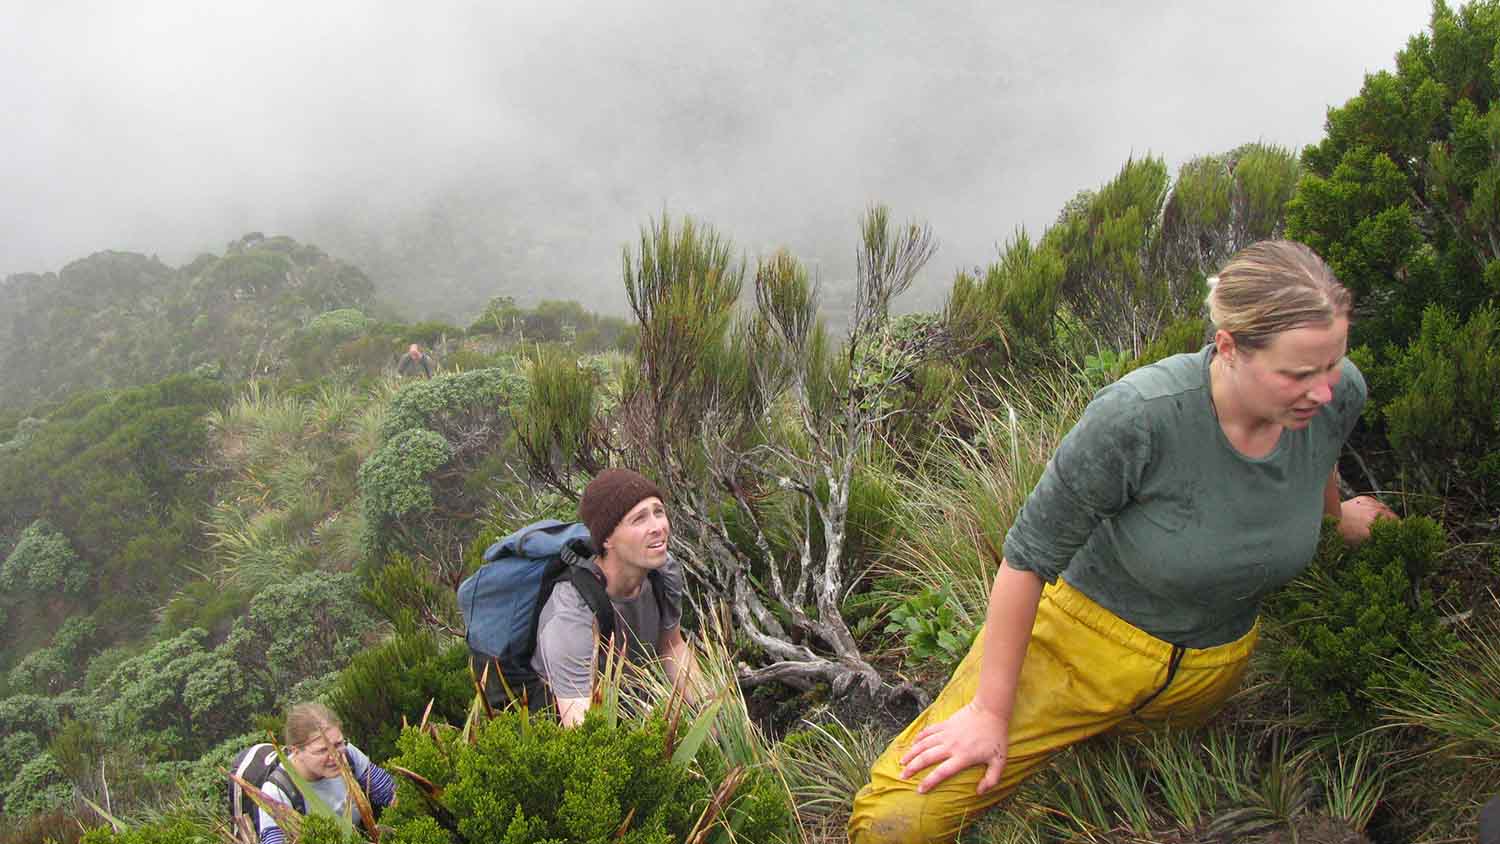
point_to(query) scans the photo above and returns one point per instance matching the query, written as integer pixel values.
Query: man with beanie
(628, 526)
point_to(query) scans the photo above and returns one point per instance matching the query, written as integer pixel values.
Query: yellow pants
(1086, 671)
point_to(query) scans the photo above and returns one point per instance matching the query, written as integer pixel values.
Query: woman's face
(1287, 382)
(318, 757)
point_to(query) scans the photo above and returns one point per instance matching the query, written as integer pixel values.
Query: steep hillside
(118, 319)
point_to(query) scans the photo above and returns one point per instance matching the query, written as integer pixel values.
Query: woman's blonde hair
(1274, 286)
(307, 721)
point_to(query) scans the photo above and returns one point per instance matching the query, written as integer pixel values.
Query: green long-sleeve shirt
(1148, 509)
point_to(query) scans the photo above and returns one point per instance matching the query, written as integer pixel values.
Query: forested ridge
(217, 497)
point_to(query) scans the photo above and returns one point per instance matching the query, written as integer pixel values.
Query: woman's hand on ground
(971, 736)
(1357, 514)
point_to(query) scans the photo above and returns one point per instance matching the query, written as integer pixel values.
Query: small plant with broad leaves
(932, 628)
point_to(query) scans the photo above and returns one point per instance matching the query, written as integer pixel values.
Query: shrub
(303, 628)
(528, 780)
(341, 324)
(180, 830)
(1007, 315)
(394, 479)
(16, 749)
(1441, 410)
(29, 713)
(43, 562)
(1187, 335)
(39, 786)
(1359, 618)
(450, 402)
(396, 680)
(180, 698)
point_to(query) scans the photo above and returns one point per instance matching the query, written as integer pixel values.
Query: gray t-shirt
(1148, 509)
(565, 656)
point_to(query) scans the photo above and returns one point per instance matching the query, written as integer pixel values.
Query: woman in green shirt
(1132, 576)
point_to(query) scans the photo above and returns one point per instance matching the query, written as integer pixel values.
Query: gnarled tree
(746, 417)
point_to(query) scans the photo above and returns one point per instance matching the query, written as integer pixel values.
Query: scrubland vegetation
(216, 499)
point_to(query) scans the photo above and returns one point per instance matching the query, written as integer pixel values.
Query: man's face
(640, 538)
(415, 351)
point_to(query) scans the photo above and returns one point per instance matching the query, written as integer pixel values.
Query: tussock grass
(959, 498)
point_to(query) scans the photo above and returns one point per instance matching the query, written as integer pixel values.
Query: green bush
(396, 680)
(39, 716)
(1439, 402)
(178, 698)
(180, 830)
(530, 780)
(306, 627)
(42, 563)
(394, 480)
(450, 402)
(341, 324)
(1009, 314)
(1187, 335)
(39, 786)
(1360, 618)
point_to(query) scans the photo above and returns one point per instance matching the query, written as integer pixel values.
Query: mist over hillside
(456, 152)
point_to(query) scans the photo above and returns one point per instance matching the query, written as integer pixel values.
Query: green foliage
(305, 627)
(395, 480)
(43, 672)
(323, 829)
(450, 403)
(557, 424)
(1186, 335)
(932, 627)
(39, 786)
(1437, 398)
(116, 318)
(173, 830)
(445, 444)
(1400, 196)
(403, 591)
(33, 714)
(1361, 617)
(397, 680)
(18, 747)
(534, 781)
(341, 324)
(43, 563)
(178, 698)
(1107, 239)
(204, 604)
(1009, 314)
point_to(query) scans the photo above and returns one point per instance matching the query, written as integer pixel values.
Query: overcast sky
(530, 141)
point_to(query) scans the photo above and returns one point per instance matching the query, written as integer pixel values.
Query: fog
(461, 150)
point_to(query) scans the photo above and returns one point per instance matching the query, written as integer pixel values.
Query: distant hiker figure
(416, 362)
(1132, 577)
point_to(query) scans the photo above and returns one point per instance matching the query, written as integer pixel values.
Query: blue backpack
(502, 602)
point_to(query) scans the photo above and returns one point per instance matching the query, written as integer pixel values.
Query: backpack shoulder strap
(283, 781)
(591, 588)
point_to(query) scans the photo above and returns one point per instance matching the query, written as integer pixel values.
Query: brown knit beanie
(607, 499)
